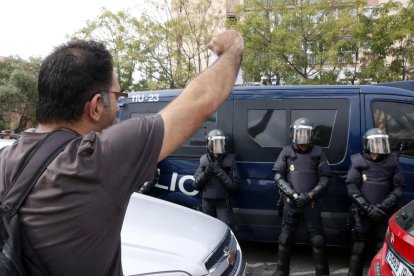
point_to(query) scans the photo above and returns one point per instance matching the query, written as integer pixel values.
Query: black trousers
(292, 215)
(220, 209)
(368, 237)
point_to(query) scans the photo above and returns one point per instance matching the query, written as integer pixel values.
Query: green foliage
(286, 41)
(176, 37)
(162, 49)
(385, 44)
(121, 33)
(18, 92)
(326, 41)
(303, 42)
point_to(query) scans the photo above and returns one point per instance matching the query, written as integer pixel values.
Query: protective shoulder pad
(358, 161)
(228, 160)
(391, 160)
(288, 151)
(316, 151)
(280, 164)
(204, 160)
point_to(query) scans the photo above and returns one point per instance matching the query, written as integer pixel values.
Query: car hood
(160, 236)
(6, 142)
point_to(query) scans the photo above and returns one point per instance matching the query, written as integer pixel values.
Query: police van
(257, 119)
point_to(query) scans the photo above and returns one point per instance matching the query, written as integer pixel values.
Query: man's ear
(94, 107)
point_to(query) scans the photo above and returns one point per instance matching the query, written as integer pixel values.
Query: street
(261, 260)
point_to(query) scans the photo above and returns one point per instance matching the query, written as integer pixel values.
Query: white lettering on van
(158, 185)
(173, 181)
(153, 97)
(145, 98)
(138, 98)
(182, 188)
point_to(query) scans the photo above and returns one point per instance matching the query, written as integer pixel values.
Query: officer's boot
(356, 263)
(320, 258)
(283, 256)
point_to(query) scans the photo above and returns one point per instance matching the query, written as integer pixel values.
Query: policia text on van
(257, 119)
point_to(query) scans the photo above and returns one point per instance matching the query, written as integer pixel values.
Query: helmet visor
(378, 144)
(216, 144)
(302, 135)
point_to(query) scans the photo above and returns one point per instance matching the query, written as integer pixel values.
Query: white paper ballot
(239, 79)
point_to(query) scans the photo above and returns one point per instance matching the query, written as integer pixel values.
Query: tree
(164, 48)
(261, 61)
(176, 36)
(121, 33)
(18, 92)
(404, 50)
(299, 41)
(389, 40)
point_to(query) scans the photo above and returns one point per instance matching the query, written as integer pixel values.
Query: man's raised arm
(204, 94)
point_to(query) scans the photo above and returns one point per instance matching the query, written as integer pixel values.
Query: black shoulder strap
(33, 168)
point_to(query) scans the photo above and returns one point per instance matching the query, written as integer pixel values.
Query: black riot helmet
(301, 131)
(376, 141)
(216, 142)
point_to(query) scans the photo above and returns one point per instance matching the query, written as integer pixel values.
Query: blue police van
(257, 120)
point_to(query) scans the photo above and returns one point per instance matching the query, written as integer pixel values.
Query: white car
(162, 238)
(5, 142)
(11, 138)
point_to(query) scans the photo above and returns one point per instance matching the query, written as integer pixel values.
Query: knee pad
(317, 241)
(358, 248)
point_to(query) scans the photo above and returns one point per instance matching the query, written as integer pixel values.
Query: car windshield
(405, 218)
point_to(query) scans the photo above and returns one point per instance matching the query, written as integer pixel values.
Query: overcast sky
(35, 27)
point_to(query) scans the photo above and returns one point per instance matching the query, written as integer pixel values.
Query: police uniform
(216, 178)
(298, 173)
(375, 187)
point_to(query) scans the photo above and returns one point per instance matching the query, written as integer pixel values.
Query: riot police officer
(302, 173)
(217, 177)
(375, 184)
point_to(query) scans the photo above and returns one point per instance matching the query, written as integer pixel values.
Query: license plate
(397, 267)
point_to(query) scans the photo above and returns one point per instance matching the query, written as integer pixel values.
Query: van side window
(199, 137)
(264, 127)
(397, 118)
(195, 146)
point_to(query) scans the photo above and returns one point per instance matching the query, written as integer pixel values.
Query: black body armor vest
(301, 168)
(214, 189)
(376, 176)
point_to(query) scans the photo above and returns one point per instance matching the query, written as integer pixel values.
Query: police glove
(390, 201)
(375, 213)
(302, 199)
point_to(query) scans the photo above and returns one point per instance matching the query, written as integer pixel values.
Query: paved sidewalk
(261, 260)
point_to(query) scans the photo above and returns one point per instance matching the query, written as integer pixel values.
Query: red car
(396, 257)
